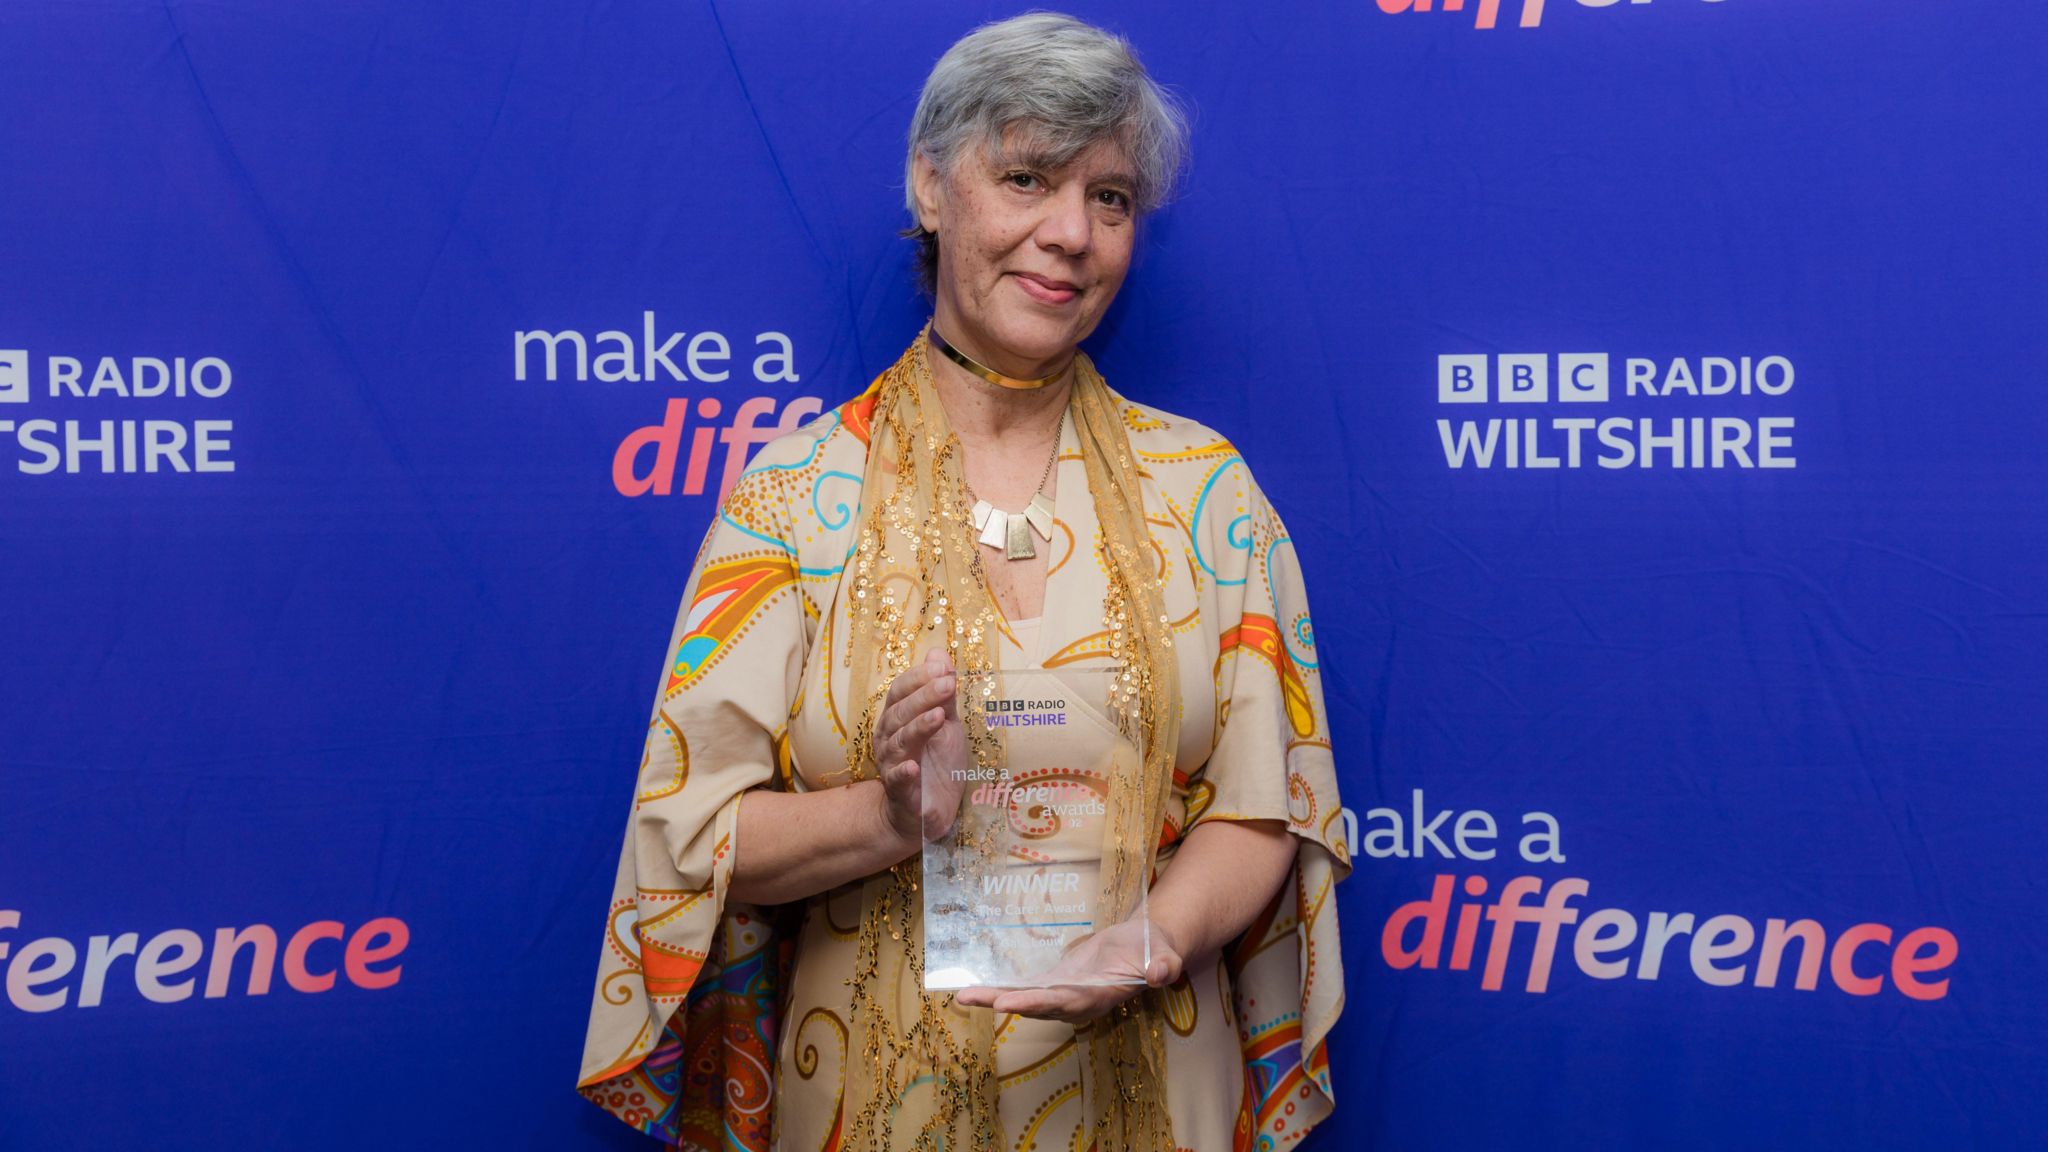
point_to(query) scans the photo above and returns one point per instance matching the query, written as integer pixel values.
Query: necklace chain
(1049, 461)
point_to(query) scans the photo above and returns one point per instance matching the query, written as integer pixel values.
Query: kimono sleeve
(1272, 760)
(734, 661)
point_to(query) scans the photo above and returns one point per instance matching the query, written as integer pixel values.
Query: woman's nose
(1066, 225)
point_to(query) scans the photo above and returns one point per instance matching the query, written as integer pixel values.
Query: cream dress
(717, 1025)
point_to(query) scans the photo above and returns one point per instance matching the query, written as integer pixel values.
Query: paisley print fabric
(717, 1025)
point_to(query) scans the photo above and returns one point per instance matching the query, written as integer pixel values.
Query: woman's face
(1030, 255)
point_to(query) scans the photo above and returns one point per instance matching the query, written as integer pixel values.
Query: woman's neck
(982, 412)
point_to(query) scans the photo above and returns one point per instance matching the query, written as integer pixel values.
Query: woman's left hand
(1113, 952)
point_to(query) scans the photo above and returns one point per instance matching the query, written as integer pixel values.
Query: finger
(1162, 971)
(934, 693)
(912, 679)
(930, 695)
(901, 776)
(1043, 1004)
(908, 742)
(975, 997)
(1017, 1003)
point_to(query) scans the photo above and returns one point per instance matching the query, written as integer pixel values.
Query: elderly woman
(987, 503)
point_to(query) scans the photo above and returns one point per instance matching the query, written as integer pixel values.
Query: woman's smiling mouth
(1044, 290)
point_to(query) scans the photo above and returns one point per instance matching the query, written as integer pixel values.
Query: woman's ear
(929, 189)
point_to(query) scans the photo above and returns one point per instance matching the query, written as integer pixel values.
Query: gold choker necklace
(987, 373)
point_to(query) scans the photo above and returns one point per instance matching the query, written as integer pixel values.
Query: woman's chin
(1032, 340)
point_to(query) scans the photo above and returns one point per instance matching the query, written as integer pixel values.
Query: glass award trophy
(1024, 888)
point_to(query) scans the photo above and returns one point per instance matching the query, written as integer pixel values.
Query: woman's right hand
(921, 750)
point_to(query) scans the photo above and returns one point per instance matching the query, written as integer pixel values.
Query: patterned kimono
(755, 696)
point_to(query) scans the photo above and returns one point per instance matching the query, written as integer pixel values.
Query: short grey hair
(1068, 83)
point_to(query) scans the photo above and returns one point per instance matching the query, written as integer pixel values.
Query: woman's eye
(1022, 179)
(1115, 199)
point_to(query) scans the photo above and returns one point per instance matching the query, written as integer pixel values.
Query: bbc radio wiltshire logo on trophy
(656, 459)
(1543, 411)
(155, 444)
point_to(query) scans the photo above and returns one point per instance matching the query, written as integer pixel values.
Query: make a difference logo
(656, 459)
(1514, 932)
(48, 973)
(1486, 13)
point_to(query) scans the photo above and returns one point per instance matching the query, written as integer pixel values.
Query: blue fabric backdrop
(359, 647)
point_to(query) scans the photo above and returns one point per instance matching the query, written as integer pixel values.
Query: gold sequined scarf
(922, 1073)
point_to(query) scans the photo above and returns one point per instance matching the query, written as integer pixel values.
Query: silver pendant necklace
(1011, 531)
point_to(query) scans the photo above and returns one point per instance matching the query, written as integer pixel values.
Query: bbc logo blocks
(1521, 378)
(13, 376)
